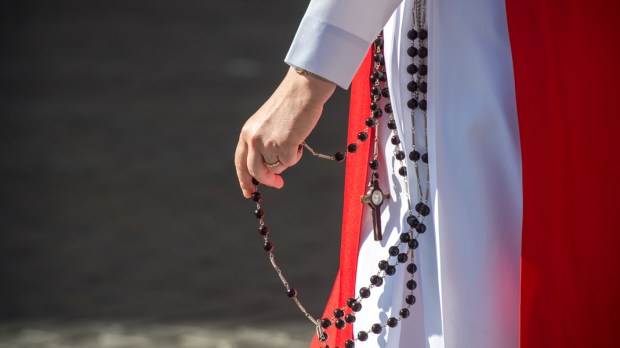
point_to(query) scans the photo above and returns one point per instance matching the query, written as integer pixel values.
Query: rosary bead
(402, 171)
(291, 292)
(382, 76)
(391, 124)
(402, 258)
(392, 322)
(338, 313)
(413, 221)
(379, 42)
(421, 228)
(357, 307)
(350, 302)
(395, 140)
(326, 323)
(393, 250)
(255, 182)
(405, 237)
(411, 284)
(412, 69)
(413, 244)
(259, 213)
(349, 344)
(374, 106)
(364, 292)
(383, 265)
(425, 210)
(423, 104)
(400, 155)
(263, 230)
(376, 280)
(385, 92)
(362, 336)
(340, 324)
(410, 299)
(412, 34)
(375, 175)
(425, 158)
(412, 103)
(391, 270)
(412, 51)
(370, 122)
(362, 136)
(350, 318)
(339, 156)
(377, 113)
(256, 197)
(419, 206)
(324, 337)
(376, 328)
(412, 86)
(412, 268)
(404, 313)
(388, 108)
(373, 164)
(423, 34)
(352, 148)
(423, 52)
(423, 69)
(423, 86)
(414, 155)
(378, 58)
(375, 90)
(268, 246)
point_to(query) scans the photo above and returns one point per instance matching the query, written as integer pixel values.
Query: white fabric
(468, 260)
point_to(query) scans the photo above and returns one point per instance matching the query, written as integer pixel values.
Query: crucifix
(374, 198)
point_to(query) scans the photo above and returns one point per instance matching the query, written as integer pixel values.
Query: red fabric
(565, 55)
(354, 187)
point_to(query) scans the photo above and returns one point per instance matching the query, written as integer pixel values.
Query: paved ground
(118, 200)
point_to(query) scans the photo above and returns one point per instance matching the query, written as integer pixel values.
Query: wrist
(310, 86)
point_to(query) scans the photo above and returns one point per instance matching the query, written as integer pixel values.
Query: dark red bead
(268, 246)
(392, 322)
(362, 336)
(291, 292)
(410, 299)
(255, 182)
(402, 257)
(412, 69)
(405, 237)
(377, 113)
(395, 140)
(340, 324)
(412, 103)
(423, 34)
(423, 87)
(400, 155)
(412, 268)
(425, 156)
(414, 155)
(362, 136)
(412, 86)
(376, 328)
(383, 265)
(412, 34)
(404, 313)
(411, 284)
(370, 122)
(376, 280)
(259, 213)
(339, 156)
(379, 41)
(391, 124)
(388, 108)
(391, 270)
(374, 106)
(385, 92)
(256, 197)
(413, 244)
(373, 164)
(351, 301)
(423, 69)
(263, 230)
(326, 323)
(356, 307)
(364, 292)
(422, 104)
(423, 52)
(349, 344)
(393, 250)
(421, 228)
(352, 148)
(350, 318)
(402, 171)
(412, 51)
(375, 90)
(338, 313)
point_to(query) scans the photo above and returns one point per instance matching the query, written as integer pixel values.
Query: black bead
(413, 244)
(351, 301)
(374, 106)
(402, 171)
(376, 280)
(349, 344)
(391, 270)
(339, 156)
(412, 69)
(259, 213)
(377, 113)
(412, 103)
(255, 182)
(423, 69)
(423, 34)
(405, 237)
(388, 108)
(421, 228)
(383, 265)
(375, 96)
(385, 92)
(263, 230)
(392, 322)
(362, 336)
(362, 136)
(391, 124)
(410, 299)
(268, 246)
(423, 104)
(350, 318)
(411, 284)
(340, 324)
(425, 210)
(256, 197)
(423, 87)
(425, 158)
(373, 164)
(370, 122)
(357, 307)
(375, 90)
(374, 77)
(418, 206)
(364, 292)
(378, 58)
(324, 337)
(379, 41)
(326, 323)
(352, 148)
(412, 86)
(395, 140)
(393, 250)
(423, 52)
(412, 268)
(412, 51)
(382, 76)
(412, 34)
(412, 221)
(400, 155)
(414, 155)
(375, 175)
(338, 313)
(404, 313)
(376, 328)
(291, 292)
(402, 257)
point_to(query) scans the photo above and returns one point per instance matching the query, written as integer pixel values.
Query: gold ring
(271, 165)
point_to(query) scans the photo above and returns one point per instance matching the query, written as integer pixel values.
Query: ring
(271, 165)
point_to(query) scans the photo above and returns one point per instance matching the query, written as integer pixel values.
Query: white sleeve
(335, 35)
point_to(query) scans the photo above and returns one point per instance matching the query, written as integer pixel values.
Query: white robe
(468, 260)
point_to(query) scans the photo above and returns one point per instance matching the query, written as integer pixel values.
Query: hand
(274, 132)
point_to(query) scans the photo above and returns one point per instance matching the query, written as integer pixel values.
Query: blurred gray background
(121, 221)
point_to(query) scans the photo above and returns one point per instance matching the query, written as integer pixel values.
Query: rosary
(403, 251)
